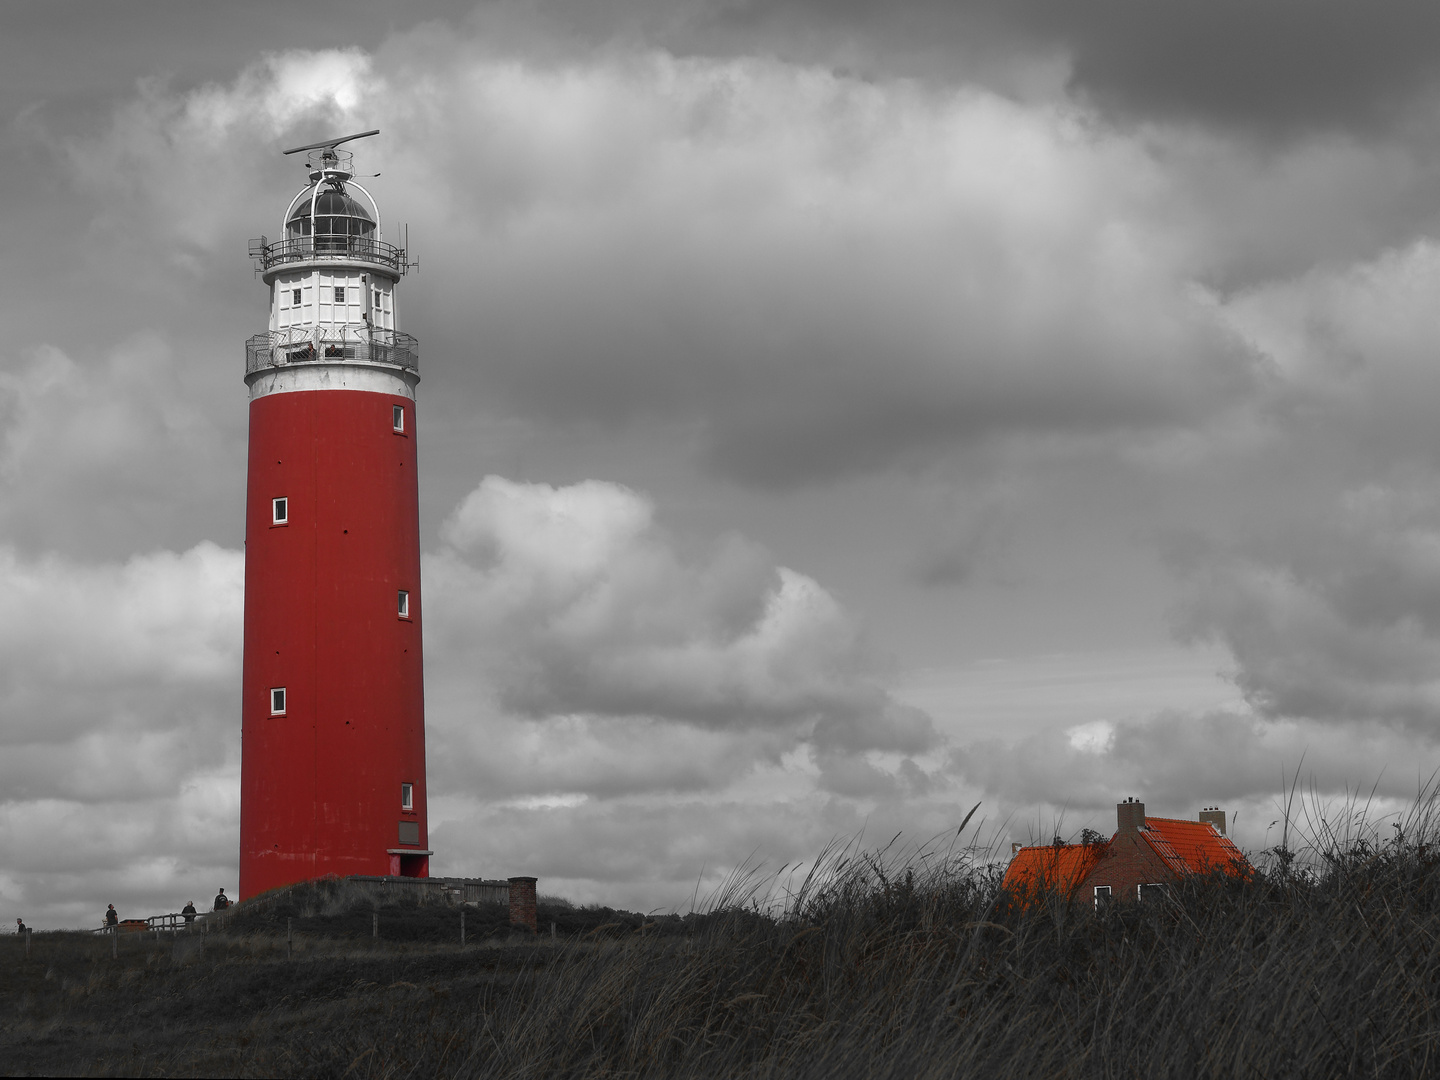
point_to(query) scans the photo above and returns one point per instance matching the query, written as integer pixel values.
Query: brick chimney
(522, 902)
(1215, 816)
(1129, 815)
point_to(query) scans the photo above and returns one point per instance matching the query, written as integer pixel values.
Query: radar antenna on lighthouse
(333, 715)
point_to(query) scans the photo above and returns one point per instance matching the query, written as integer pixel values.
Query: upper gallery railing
(330, 344)
(326, 246)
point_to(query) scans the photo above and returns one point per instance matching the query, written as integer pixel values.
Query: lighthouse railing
(329, 345)
(337, 246)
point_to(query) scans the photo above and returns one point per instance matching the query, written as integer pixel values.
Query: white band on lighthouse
(345, 375)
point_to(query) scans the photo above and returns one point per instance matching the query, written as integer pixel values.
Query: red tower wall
(321, 785)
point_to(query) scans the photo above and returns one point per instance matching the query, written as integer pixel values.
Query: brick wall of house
(1128, 863)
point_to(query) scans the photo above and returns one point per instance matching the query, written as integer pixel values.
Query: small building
(1146, 853)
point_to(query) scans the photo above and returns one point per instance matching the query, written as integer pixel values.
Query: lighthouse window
(404, 604)
(399, 417)
(294, 296)
(339, 294)
(280, 511)
(407, 796)
(277, 700)
(377, 297)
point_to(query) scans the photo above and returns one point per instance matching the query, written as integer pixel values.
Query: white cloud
(119, 747)
(815, 274)
(597, 684)
(578, 603)
(117, 648)
(109, 454)
(173, 171)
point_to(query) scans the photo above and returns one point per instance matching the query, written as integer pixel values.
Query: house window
(1150, 892)
(398, 417)
(1102, 896)
(410, 832)
(277, 701)
(294, 296)
(403, 604)
(280, 511)
(407, 796)
(339, 294)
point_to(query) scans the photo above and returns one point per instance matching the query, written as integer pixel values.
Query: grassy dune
(904, 966)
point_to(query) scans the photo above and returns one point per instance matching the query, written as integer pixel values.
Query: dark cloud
(1279, 67)
(1178, 762)
(1335, 619)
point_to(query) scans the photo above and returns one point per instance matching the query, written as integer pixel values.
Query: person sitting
(189, 912)
(112, 917)
(221, 901)
(20, 927)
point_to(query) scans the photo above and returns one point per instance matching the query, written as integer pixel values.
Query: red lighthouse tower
(333, 726)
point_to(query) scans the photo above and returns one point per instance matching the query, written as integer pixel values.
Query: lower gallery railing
(328, 344)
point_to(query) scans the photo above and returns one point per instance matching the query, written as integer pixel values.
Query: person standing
(189, 912)
(112, 918)
(221, 901)
(20, 927)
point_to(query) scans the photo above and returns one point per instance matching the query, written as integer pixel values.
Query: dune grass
(902, 963)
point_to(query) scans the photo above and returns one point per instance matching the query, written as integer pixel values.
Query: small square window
(377, 297)
(1102, 895)
(339, 294)
(294, 296)
(280, 510)
(277, 700)
(397, 416)
(407, 796)
(404, 604)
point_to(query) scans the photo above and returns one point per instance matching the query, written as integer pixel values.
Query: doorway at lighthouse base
(411, 864)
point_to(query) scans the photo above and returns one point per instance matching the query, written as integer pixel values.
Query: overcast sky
(833, 415)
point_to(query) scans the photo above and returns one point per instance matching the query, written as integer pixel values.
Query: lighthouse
(332, 776)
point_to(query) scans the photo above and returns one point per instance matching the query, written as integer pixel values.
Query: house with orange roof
(1146, 853)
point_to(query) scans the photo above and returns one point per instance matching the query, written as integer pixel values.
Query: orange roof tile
(1193, 847)
(1051, 868)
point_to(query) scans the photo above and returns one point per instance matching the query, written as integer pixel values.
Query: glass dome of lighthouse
(335, 213)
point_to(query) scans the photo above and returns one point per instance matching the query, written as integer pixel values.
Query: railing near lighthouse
(329, 345)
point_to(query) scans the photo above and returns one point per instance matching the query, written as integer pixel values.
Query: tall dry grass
(899, 963)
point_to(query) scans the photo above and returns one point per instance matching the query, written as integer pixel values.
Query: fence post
(462, 928)
(27, 943)
(114, 944)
